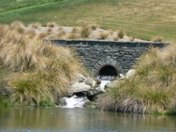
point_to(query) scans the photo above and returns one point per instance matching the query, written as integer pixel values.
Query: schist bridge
(108, 57)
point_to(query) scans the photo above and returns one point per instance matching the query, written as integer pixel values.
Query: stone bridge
(108, 57)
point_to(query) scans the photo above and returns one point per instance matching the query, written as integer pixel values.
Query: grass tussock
(35, 25)
(157, 39)
(52, 31)
(120, 34)
(51, 24)
(93, 26)
(61, 34)
(85, 32)
(73, 36)
(143, 18)
(76, 30)
(38, 72)
(151, 90)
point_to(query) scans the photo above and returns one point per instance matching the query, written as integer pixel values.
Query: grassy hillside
(139, 18)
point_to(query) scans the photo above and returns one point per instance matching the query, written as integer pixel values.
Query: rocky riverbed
(84, 91)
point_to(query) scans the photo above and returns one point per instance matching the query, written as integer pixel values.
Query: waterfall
(78, 101)
(75, 101)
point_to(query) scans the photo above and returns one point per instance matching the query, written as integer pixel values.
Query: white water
(103, 84)
(78, 102)
(75, 102)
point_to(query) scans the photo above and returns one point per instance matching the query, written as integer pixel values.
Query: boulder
(78, 87)
(92, 94)
(62, 102)
(130, 73)
(89, 81)
(122, 76)
(81, 78)
(90, 105)
(112, 84)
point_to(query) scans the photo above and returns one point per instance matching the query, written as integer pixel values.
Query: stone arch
(107, 62)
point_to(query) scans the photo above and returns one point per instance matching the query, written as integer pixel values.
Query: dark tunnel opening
(108, 70)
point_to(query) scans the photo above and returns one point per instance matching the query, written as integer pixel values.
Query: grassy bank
(151, 90)
(143, 19)
(34, 72)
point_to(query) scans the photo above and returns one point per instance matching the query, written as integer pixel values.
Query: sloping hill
(139, 18)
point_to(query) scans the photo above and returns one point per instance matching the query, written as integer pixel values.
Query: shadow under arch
(108, 70)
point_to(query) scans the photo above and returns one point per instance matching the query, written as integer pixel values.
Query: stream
(78, 102)
(74, 118)
(81, 120)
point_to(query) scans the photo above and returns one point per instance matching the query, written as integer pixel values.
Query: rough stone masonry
(96, 55)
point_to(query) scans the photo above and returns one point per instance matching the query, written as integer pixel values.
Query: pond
(81, 120)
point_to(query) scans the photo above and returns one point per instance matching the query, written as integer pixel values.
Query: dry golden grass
(85, 32)
(18, 26)
(152, 89)
(120, 34)
(53, 31)
(73, 36)
(76, 30)
(157, 39)
(115, 38)
(52, 24)
(39, 71)
(30, 33)
(93, 26)
(35, 25)
(139, 18)
(104, 35)
(42, 36)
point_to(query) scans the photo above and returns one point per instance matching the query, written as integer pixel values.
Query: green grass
(139, 18)
(15, 4)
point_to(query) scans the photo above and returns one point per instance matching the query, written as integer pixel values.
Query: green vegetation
(38, 73)
(16, 4)
(143, 19)
(151, 90)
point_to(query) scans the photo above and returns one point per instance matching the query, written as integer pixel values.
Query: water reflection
(83, 120)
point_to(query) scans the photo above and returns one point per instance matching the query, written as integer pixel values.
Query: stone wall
(96, 54)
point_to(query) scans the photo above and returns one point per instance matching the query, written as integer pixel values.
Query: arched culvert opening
(108, 70)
